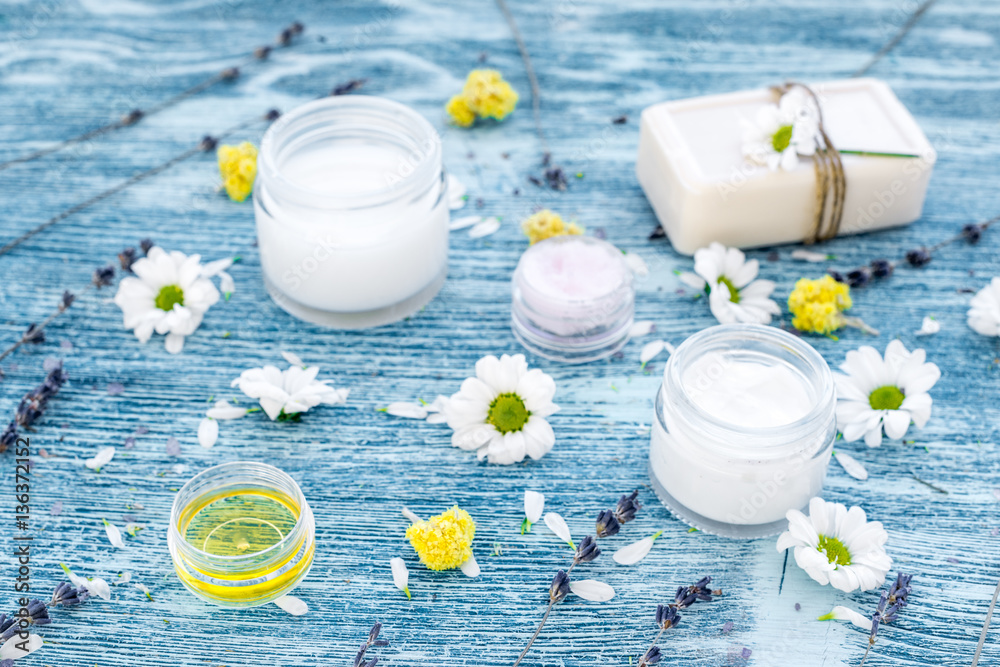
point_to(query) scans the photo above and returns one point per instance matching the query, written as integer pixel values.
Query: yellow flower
(238, 166)
(818, 305)
(546, 224)
(460, 112)
(443, 542)
(485, 95)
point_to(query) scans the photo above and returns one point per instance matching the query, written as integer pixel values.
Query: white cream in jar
(743, 430)
(352, 217)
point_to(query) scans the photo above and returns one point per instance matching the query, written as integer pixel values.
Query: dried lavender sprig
(887, 610)
(986, 626)
(68, 595)
(371, 641)
(35, 333)
(916, 257)
(134, 116)
(667, 617)
(205, 144)
(33, 405)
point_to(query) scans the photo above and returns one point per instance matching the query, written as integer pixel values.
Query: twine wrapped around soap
(831, 184)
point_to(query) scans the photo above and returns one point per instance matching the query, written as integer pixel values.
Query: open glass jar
(743, 429)
(352, 212)
(241, 534)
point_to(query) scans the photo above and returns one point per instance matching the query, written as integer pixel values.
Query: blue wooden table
(67, 67)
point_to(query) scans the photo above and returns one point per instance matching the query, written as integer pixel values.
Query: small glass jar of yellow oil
(241, 534)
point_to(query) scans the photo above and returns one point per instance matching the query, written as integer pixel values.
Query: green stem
(876, 154)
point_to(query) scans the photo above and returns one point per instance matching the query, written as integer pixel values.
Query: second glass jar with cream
(352, 212)
(743, 429)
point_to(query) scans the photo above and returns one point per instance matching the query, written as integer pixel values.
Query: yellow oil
(242, 523)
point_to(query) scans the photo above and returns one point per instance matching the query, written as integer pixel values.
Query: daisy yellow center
(835, 550)
(168, 296)
(734, 294)
(886, 398)
(781, 139)
(507, 413)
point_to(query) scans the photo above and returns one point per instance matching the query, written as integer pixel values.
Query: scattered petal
(224, 410)
(12, 651)
(408, 410)
(208, 432)
(637, 264)
(810, 256)
(929, 327)
(557, 525)
(534, 503)
(114, 535)
(173, 446)
(853, 467)
(840, 613)
(142, 587)
(56, 509)
(103, 457)
(590, 589)
(467, 221)
(98, 587)
(631, 554)
(642, 328)
(652, 349)
(292, 358)
(470, 568)
(456, 193)
(292, 604)
(115, 388)
(484, 228)
(400, 575)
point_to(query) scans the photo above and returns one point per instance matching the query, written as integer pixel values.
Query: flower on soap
(837, 546)
(984, 314)
(818, 306)
(734, 294)
(169, 294)
(485, 95)
(876, 393)
(238, 166)
(501, 412)
(443, 542)
(782, 132)
(545, 224)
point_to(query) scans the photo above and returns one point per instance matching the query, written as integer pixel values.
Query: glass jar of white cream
(743, 429)
(352, 212)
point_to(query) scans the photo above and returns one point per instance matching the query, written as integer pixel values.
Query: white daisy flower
(875, 393)
(733, 293)
(285, 394)
(984, 314)
(782, 132)
(169, 294)
(501, 412)
(837, 546)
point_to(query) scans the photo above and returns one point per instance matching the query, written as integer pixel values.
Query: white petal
(174, 343)
(631, 554)
(408, 410)
(929, 327)
(74, 578)
(400, 575)
(292, 605)
(840, 613)
(292, 358)
(11, 651)
(456, 192)
(534, 503)
(215, 268)
(224, 410)
(809, 255)
(467, 221)
(650, 350)
(557, 525)
(208, 432)
(851, 465)
(692, 280)
(595, 591)
(470, 568)
(98, 587)
(114, 535)
(641, 328)
(485, 228)
(637, 264)
(226, 284)
(103, 457)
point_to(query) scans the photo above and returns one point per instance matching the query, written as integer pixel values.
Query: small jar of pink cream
(573, 299)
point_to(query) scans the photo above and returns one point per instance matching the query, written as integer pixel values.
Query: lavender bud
(587, 550)
(882, 268)
(348, 87)
(146, 245)
(859, 277)
(67, 300)
(297, 28)
(34, 335)
(652, 656)
(127, 258)
(262, 52)
(133, 117)
(627, 507)
(556, 178)
(272, 114)
(373, 633)
(104, 276)
(667, 616)
(607, 524)
(972, 233)
(918, 257)
(657, 233)
(285, 38)
(559, 588)
(208, 143)
(229, 73)
(838, 276)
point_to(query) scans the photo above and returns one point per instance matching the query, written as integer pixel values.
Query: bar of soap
(692, 169)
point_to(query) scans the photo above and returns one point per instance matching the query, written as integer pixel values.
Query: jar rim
(772, 439)
(414, 132)
(293, 536)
